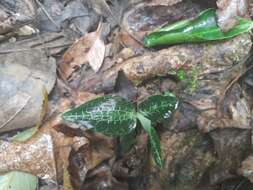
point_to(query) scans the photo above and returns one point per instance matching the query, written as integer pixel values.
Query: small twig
(29, 49)
(47, 14)
(15, 114)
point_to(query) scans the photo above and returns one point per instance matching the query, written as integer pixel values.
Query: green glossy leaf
(201, 29)
(18, 181)
(112, 116)
(153, 139)
(159, 107)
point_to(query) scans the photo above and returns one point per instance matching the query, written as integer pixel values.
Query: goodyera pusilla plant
(114, 116)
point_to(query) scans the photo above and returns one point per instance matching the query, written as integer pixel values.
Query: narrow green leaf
(18, 181)
(25, 135)
(201, 29)
(110, 115)
(153, 139)
(159, 107)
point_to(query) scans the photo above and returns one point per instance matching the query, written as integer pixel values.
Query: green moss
(188, 78)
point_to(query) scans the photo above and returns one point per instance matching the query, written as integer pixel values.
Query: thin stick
(47, 14)
(17, 112)
(29, 49)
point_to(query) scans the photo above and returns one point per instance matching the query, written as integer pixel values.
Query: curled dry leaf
(83, 51)
(229, 10)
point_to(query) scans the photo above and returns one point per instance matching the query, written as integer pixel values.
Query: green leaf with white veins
(159, 107)
(110, 115)
(153, 139)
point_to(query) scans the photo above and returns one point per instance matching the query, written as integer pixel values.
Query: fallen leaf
(20, 180)
(45, 155)
(96, 54)
(79, 53)
(35, 156)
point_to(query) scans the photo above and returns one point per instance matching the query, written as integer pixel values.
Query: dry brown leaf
(44, 155)
(96, 54)
(79, 53)
(101, 148)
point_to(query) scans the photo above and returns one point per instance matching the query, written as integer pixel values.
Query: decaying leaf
(19, 180)
(35, 156)
(96, 54)
(228, 145)
(186, 156)
(44, 155)
(79, 53)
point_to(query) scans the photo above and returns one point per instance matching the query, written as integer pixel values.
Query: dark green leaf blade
(201, 29)
(159, 107)
(153, 139)
(110, 115)
(243, 26)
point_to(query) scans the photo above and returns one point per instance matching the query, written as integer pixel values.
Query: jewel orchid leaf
(110, 115)
(153, 139)
(158, 108)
